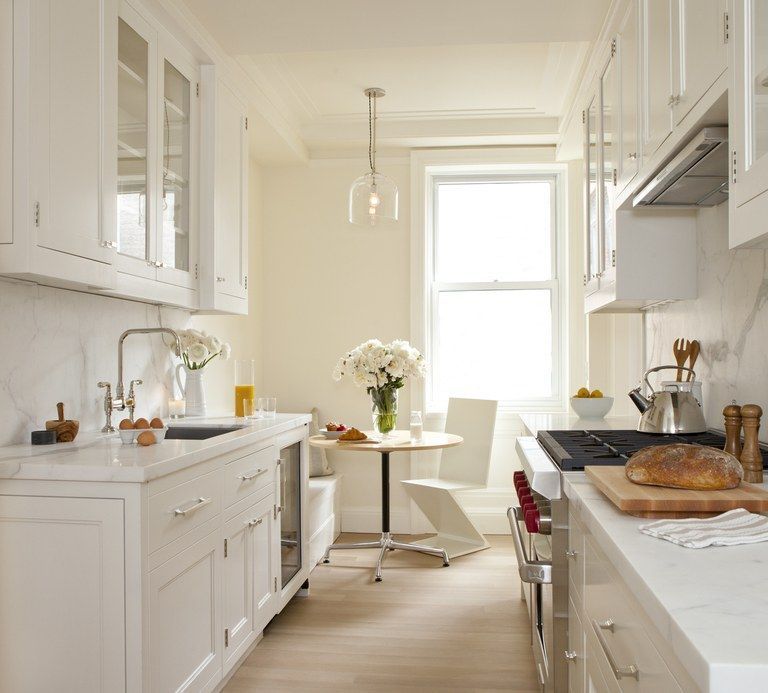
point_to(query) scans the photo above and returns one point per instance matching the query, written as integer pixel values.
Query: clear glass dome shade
(372, 200)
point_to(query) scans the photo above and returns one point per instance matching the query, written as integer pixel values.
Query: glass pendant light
(373, 196)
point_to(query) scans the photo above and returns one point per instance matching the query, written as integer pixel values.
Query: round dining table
(397, 441)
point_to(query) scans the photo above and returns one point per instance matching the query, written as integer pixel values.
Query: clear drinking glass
(245, 388)
(249, 408)
(417, 427)
(267, 407)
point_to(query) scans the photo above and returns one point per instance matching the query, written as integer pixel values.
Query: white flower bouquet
(382, 369)
(198, 349)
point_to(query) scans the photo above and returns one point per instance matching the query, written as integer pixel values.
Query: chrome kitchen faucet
(120, 402)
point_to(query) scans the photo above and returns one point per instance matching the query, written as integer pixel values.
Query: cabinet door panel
(265, 560)
(185, 618)
(238, 584)
(701, 55)
(68, 101)
(62, 594)
(657, 73)
(628, 52)
(6, 120)
(610, 151)
(593, 240)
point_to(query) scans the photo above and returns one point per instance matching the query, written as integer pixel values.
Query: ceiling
(456, 73)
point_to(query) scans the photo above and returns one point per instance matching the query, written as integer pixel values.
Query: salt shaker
(417, 427)
(751, 457)
(732, 414)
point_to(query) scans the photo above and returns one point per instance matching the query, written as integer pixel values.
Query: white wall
(729, 318)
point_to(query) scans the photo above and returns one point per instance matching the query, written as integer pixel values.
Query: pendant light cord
(372, 133)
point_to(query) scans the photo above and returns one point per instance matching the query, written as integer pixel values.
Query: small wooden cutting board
(661, 502)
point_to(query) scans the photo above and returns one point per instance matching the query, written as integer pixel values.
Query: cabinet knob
(632, 155)
(570, 655)
(570, 553)
(220, 279)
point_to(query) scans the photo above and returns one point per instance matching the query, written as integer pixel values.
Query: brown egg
(126, 425)
(141, 423)
(146, 438)
(157, 422)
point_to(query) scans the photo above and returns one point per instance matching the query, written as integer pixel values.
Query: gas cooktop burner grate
(573, 450)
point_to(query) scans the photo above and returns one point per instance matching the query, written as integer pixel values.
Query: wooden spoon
(681, 349)
(694, 350)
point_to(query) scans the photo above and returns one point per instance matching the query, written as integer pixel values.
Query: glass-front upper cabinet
(157, 121)
(593, 240)
(609, 150)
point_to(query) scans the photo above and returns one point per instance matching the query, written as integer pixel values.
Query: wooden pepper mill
(751, 457)
(732, 414)
(66, 429)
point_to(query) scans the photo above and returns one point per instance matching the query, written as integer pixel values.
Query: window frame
(426, 177)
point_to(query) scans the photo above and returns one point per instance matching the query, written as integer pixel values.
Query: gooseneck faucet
(120, 402)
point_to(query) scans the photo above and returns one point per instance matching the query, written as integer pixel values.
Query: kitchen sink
(198, 432)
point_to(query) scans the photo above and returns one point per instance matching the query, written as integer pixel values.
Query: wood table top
(400, 441)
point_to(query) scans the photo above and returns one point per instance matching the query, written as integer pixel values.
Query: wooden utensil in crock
(66, 429)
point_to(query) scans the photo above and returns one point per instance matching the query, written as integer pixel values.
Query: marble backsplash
(729, 318)
(55, 345)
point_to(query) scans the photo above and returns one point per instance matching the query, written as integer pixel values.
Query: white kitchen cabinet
(609, 153)
(699, 51)
(62, 594)
(224, 240)
(64, 138)
(157, 157)
(576, 653)
(6, 121)
(748, 125)
(593, 225)
(628, 84)
(656, 73)
(185, 618)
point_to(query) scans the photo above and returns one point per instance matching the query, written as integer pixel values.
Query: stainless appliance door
(543, 624)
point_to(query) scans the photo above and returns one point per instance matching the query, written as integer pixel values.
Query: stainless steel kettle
(668, 412)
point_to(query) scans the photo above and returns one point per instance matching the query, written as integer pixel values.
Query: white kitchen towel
(733, 527)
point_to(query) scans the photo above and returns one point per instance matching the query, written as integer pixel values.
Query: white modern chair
(462, 468)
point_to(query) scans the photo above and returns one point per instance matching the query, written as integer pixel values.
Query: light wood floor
(424, 628)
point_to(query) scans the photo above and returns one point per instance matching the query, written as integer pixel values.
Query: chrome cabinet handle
(570, 655)
(196, 505)
(252, 475)
(221, 279)
(632, 155)
(630, 670)
(253, 523)
(537, 572)
(570, 553)
(108, 244)
(608, 624)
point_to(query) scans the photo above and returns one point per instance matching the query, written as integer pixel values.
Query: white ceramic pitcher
(192, 390)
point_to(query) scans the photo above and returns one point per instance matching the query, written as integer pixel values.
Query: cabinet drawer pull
(221, 279)
(570, 553)
(570, 655)
(608, 624)
(253, 523)
(252, 475)
(196, 505)
(619, 672)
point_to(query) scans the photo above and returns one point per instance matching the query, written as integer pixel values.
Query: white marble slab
(101, 457)
(533, 423)
(711, 605)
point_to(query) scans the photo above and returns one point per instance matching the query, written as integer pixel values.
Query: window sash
(435, 288)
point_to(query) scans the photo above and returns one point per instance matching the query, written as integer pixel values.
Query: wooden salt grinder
(751, 457)
(732, 414)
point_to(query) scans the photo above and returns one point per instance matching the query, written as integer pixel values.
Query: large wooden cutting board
(661, 502)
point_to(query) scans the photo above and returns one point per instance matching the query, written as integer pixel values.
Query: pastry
(684, 466)
(353, 434)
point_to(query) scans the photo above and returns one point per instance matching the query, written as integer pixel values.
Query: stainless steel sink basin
(198, 432)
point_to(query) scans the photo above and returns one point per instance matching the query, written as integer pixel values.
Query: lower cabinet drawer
(576, 653)
(249, 474)
(613, 624)
(180, 509)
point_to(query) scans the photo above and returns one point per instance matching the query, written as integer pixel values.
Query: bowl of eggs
(142, 431)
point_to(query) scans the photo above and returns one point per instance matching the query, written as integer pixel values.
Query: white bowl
(591, 407)
(127, 435)
(331, 435)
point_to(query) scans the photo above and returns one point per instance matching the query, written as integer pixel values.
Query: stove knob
(532, 519)
(517, 476)
(523, 491)
(521, 483)
(525, 499)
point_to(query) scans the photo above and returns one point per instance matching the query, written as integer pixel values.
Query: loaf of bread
(684, 466)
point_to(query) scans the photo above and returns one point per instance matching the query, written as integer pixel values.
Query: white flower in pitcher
(198, 352)
(212, 344)
(225, 351)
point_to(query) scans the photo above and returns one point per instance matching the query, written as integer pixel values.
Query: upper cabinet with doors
(748, 116)
(656, 73)
(224, 185)
(157, 150)
(64, 138)
(627, 44)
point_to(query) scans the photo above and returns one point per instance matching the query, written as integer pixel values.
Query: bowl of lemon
(591, 405)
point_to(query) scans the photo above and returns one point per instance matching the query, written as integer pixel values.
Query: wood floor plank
(424, 628)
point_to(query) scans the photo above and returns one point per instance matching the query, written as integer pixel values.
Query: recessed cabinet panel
(628, 158)
(593, 240)
(610, 149)
(657, 73)
(6, 120)
(69, 41)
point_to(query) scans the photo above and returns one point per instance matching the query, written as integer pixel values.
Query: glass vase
(384, 410)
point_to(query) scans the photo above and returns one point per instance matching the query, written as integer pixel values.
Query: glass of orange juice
(245, 388)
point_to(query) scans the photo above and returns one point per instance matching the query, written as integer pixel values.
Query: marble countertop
(534, 423)
(103, 457)
(711, 605)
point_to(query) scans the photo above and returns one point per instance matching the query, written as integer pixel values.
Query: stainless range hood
(696, 177)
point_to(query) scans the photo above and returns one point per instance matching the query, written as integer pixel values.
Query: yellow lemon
(596, 393)
(583, 392)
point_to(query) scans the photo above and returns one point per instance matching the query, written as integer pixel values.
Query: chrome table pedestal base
(387, 543)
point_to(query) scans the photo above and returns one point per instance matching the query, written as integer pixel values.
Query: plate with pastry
(333, 430)
(354, 436)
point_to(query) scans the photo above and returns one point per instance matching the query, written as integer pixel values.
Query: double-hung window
(492, 288)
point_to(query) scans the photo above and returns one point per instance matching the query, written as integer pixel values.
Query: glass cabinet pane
(758, 26)
(593, 238)
(175, 168)
(132, 119)
(290, 515)
(608, 120)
